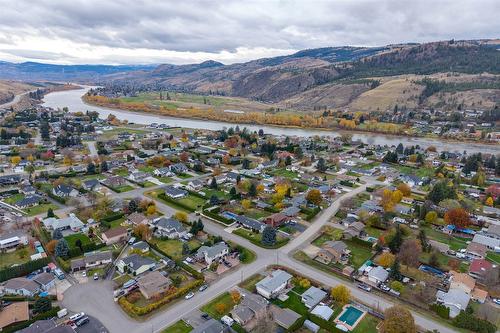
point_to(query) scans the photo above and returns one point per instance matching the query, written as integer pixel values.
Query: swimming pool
(350, 317)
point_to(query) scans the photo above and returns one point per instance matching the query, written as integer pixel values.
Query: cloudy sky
(184, 31)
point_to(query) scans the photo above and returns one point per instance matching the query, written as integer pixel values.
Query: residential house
(141, 246)
(153, 283)
(332, 251)
(378, 275)
(13, 313)
(45, 280)
(114, 181)
(285, 317)
(212, 253)
(462, 281)
(71, 222)
(277, 219)
(175, 193)
(491, 243)
(273, 284)
(312, 296)
(163, 172)
(480, 269)
(27, 190)
(170, 228)
(135, 264)
(115, 235)
(476, 250)
(13, 239)
(21, 286)
(65, 191)
(91, 185)
(291, 211)
(455, 299)
(92, 259)
(250, 223)
(195, 185)
(252, 306)
(139, 176)
(356, 229)
(137, 218)
(211, 326)
(179, 168)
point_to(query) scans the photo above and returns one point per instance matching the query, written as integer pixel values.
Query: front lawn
(359, 253)
(71, 239)
(14, 198)
(211, 307)
(256, 238)
(19, 256)
(367, 325)
(294, 302)
(164, 180)
(40, 209)
(249, 284)
(178, 327)
(173, 247)
(123, 188)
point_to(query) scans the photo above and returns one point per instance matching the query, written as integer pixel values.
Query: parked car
(84, 274)
(384, 287)
(77, 316)
(203, 287)
(96, 276)
(365, 287)
(205, 316)
(189, 296)
(496, 301)
(82, 321)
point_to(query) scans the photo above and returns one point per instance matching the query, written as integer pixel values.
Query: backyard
(173, 247)
(19, 256)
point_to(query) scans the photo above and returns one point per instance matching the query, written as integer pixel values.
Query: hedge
(362, 242)
(441, 310)
(166, 198)
(196, 194)
(66, 266)
(217, 217)
(179, 263)
(23, 269)
(112, 217)
(133, 309)
(76, 251)
(56, 197)
(46, 315)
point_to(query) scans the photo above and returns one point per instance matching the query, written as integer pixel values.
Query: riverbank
(243, 119)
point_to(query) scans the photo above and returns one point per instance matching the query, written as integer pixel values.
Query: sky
(184, 31)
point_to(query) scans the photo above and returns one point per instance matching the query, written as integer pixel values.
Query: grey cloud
(217, 25)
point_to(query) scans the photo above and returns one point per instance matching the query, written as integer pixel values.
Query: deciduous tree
(341, 294)
(398, 319)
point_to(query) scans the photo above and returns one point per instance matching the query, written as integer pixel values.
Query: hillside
(8, 89)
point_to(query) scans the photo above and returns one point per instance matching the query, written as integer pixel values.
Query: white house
(378, 275)
(212, 253)
(273, 284)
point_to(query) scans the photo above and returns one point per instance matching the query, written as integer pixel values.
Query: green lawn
(455, 243)
(121, 172)
(249, 284)
(173, 247)
(71, 239)
(256, 238)
(19, 256)
(359, 253)
(332, 234)
(282, 172)
(192, 201)
(184, 175)
(367, 325)
(164, 180)
(210, 307)
(14, 198)
(219, 194)
(178, 327)
(374, 232)
(43, 208)
(147, 168)
(294, 302)
(123, 188)
(117, 222)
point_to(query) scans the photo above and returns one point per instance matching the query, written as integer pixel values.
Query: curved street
(96, 299)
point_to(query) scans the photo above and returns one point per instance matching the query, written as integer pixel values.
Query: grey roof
(338, 246)
(323, 311)
(271, 282)
(456, 298)
(39, 326)
(29, 200)
(212, 251)
(285, 317)
(378, 273)
(291, 211)
(210, 326)
(44, 278)
(170, 224)
(485, 240)
(140, 245)
(136, 261)
(94, 256)
(249, 222)
(174, 191)
(313, 296)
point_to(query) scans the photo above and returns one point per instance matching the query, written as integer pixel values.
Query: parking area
(93, 326)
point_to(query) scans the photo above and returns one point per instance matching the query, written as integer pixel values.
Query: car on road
(189, 296)
(365, 287)
(203, 287)
(82, 321)
(96, 276)
(77, 316)
(205, 316)
(496, 301)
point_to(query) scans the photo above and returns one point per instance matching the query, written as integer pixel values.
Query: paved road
(95, 298)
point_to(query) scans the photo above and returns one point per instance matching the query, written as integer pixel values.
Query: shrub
(441, 310)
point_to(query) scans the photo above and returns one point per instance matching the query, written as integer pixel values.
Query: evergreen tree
(321, 164)
(62, 248)
(185, 248)
(91, 168)
(232, 192)
(252, 191)
(41, 305)
(104, 166)
(213, 183)
(50, 213)
(57, 234)
(269, 236)
(395, 273)
(395, 243)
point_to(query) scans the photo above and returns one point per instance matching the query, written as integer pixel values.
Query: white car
(77, 316)
(84, 274)
(189, 296)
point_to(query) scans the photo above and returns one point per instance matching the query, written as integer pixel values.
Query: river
(72, 100)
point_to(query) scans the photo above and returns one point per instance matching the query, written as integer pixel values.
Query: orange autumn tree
(457, 217)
